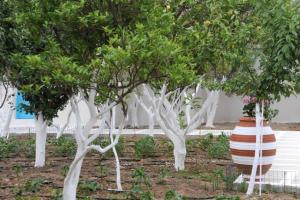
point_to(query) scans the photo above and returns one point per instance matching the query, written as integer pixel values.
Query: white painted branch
(78, 131)
(61, 129)
(257, 149)
(150, 113)
(93, 114)
(197, 118)
(211, 111)
(187, 110)
(103, 110)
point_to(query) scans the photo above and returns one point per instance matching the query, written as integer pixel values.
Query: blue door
(20, 113)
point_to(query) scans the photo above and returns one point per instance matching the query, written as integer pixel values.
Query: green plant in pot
(243, 139)
(271, 75)
(249, 108)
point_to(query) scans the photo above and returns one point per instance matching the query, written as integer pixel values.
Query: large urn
(243, 144)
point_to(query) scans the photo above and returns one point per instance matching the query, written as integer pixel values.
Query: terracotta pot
(242, 146)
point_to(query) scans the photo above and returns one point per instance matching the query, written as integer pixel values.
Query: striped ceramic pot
(242, 146)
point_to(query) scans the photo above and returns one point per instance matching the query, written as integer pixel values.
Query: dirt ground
(196, 182)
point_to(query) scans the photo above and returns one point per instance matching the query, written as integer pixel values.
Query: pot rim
(252, 120)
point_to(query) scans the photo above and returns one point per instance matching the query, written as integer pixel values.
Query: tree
(275, 64)
(110, 48)
(39, 77)
(218, 36)
(10, 41)
(178, 113)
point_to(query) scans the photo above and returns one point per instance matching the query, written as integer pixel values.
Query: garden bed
(209, 171)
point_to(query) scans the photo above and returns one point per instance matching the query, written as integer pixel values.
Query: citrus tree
(275, 65)
(217, 37)
(274, 71)
(10, 41)
(46, 82)
(99, 52)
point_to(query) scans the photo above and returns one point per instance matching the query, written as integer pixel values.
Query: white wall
(229, 110)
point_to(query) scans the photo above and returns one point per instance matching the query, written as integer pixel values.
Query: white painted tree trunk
(179, 152)
(133, 112)
(6, 119)
(72, 178)
(84, 140)
(167, 109)
(211, 112)
(40, 141)
(118, 167)
(5, 129)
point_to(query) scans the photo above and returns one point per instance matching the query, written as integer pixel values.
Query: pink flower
(246, 100)
(253, 100)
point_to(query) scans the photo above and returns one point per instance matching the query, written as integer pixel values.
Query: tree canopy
(121, 44)
(276, 52)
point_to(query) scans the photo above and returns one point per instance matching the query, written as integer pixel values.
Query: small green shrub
(217, 177)
(8, 147)
(162, 174)
(139, 176)
(219, 148)
(57, 194)
(64, 146)
(144, 147)
(242, 187)
(28, 147)
(88, 186)
(206, 142)
(216, 148)
(187, 174)
(18, 169)
(173, 195)
(17, 190)
(167, 145)
(34, 185)
(229, 179)
(190, 144)
(141, 186)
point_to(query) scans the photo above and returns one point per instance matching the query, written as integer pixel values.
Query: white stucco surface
(229, 110)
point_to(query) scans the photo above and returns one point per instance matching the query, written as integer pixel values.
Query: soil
(196, 182)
